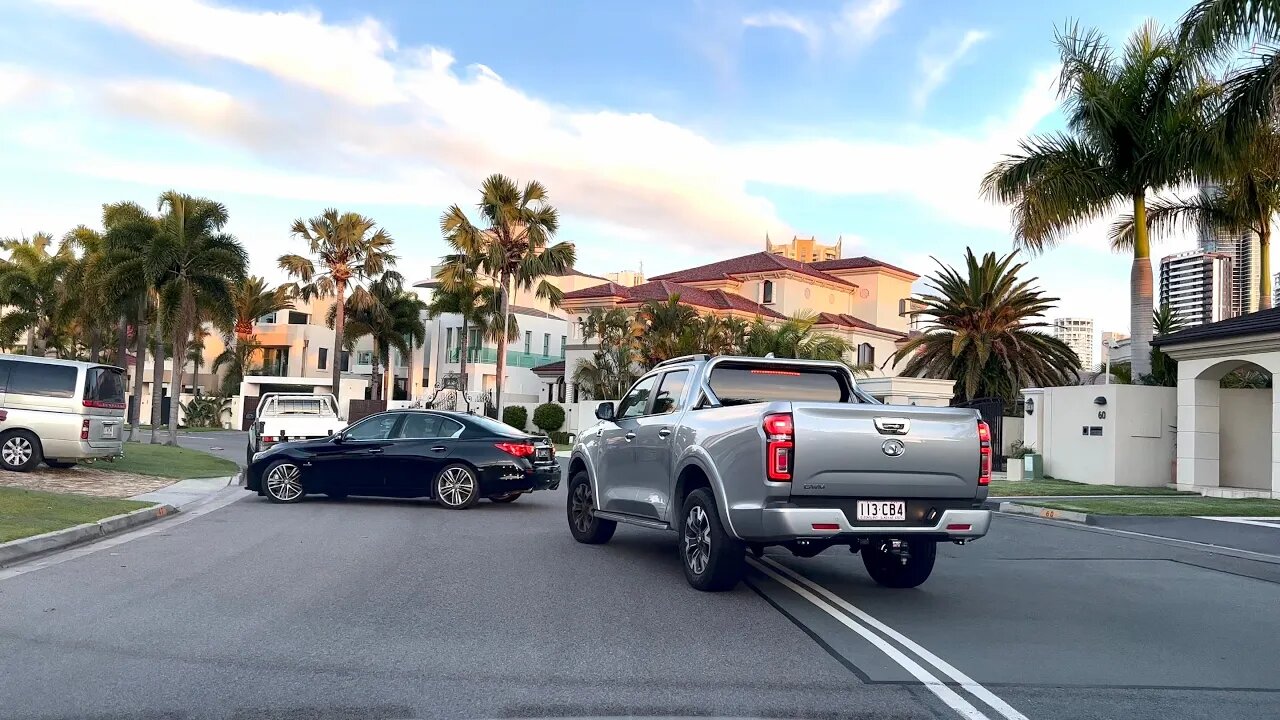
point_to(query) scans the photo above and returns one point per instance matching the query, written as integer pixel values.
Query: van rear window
(104, 387)
(43, 379)
(743, 385)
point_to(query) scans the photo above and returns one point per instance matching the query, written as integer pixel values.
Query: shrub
(1019, 450)
(515, 416)
(559, 437)
(549, 417)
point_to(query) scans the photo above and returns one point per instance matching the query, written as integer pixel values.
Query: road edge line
(18, 551)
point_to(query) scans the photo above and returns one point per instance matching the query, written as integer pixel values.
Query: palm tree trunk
(139, 359)
(504, 301)
(31, 339)
(1264, 247)
(157, 383)
(339, 323)
(1140, 291)
(179, 366)
(95, 344)
(122, 342)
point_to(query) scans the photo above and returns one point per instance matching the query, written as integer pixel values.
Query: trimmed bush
(559, 437)
(549, 417)
(515, 416)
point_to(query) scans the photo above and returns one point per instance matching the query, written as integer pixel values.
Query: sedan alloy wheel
(456, 487)
(284, 483)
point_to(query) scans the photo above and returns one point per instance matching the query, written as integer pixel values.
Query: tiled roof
(551, 368)
(603, 290)
(533, 312)
(849, 321)
(857, 262)
(747, 264)
(1254, 323)
(689, 295)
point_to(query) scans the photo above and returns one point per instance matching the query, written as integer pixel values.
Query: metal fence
(992, 411)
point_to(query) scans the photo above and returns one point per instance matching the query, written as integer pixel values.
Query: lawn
(1032, 488)
(1171, 506)
(30, 512)
(171, 462)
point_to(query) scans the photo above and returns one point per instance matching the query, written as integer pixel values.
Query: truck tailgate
(884, 451)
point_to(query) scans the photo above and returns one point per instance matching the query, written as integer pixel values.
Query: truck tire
(580, 509)
(888, 569)
(712, 560)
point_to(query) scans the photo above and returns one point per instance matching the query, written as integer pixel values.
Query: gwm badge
(893, 447)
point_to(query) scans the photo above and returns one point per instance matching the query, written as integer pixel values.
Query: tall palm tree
(665, 330)
(198, 264)
(130, 233)
(31, 284)
(462, 292)
(86, 297)
(349, 250)
(513, 246)
(984, 332)
(251, 299)
(238, 360)
(392, 317)
(1219, 30)
(1134, 124)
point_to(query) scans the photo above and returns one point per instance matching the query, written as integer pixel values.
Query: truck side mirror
(249, 416)
(604, 411)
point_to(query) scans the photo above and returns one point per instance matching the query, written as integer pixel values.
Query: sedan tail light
(518, 449)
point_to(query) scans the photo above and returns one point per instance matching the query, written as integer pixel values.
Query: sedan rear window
(743, 385)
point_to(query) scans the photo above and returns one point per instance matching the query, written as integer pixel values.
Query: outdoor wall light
(1099, 400)
(1031, 406)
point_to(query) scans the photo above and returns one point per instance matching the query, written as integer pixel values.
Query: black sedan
(453, 458)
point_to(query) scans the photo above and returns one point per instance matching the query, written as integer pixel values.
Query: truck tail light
(84, 429)
(269, 438)
(984, 456)
(779, 436)
(520, 450)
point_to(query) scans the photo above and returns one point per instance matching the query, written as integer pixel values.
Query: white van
(59, 411)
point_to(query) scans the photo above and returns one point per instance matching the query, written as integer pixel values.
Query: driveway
(227, 444)
(400, 609)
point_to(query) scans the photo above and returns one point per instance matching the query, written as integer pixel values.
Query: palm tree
(513, 248)
(251, 299)
(130, 233)
(349, 250)
(612, 368)
(197, 264)
(1217, 29)
(1135, 122)
(984, 332)
(86, 297)
(31, 284)
(664, 330)
(392, 317)
(238, 360)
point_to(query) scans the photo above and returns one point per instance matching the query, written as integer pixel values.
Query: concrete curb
(1047, 513)
(16, 551)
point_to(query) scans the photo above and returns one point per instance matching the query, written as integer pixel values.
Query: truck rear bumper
(791, 523)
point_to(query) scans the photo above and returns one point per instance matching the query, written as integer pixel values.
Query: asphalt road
(228, 444)
(399, 609)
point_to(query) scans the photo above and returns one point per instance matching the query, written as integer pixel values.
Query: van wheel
(19, 451)
(888, 569)
(581, 509)
(713, 561)
(60, 464)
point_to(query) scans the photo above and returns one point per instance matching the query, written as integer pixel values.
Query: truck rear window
(742, 385)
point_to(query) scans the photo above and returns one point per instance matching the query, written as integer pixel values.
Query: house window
(564, 340)
(866, 354)
(323, 361)
(364, 357)
(297, 318)
(546, 344)
(767, 292)
(344, 361)
(268, 319)
(448, 338)
(528, 341)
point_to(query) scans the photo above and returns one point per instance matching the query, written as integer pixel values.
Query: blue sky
(669, 133)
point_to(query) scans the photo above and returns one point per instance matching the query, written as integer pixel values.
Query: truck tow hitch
(896, 548)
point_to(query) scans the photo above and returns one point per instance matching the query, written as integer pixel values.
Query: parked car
(738, 454)
(58, 411)
(453, 458)
(282, 417)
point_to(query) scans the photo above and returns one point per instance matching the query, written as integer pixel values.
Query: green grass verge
(1172, 506)
(171, 462)
(563, 448)
(29, 512)
(1032, 488)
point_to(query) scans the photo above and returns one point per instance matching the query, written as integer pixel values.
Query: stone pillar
(1198, 398)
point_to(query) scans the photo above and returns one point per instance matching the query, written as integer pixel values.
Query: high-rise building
(1115, 345)
(1077, 333)
(807, 250)
(1198, 286)
(1243, 250)
(626, 278)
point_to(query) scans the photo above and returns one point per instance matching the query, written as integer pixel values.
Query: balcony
(489, 355)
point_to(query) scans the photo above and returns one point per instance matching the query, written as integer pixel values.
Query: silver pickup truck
(738, 454)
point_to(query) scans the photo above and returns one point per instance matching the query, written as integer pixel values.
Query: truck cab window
(634, 404)
(669, 391)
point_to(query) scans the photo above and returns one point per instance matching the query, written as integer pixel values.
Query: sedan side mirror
(338, 438)
(604, 411)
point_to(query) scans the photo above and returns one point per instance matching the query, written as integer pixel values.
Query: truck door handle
(630, 436)
(439, 448)
(664, 432)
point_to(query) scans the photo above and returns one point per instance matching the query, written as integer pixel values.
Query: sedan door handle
(439, 448)
(664, 432)
(375, 451)
(630, 436)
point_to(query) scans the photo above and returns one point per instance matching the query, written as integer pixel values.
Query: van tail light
(520, 450)
(780, 437)
(84, 429)
(984, 453)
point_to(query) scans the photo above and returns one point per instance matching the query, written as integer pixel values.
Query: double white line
(862, 624)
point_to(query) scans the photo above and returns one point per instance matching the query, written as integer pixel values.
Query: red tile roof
(857, 262)
(849, 321)
(747, 264)
(664, 289)
(603, 290)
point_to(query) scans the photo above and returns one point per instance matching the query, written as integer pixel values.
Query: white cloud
(857, 24)
(935, 67)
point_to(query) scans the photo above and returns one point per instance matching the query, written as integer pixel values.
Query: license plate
(109, 432)
(544, 453)
(882, 510)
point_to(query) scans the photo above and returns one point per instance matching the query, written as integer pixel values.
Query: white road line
(968, 683)
(58, 558)
(1260, 522)
(1158, 539)
(930, 681)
